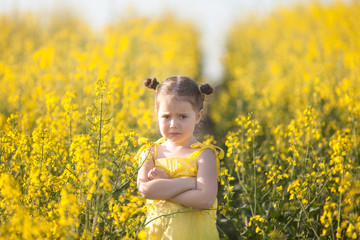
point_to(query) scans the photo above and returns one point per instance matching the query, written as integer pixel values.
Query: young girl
(178, 175)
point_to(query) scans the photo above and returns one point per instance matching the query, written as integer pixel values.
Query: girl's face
(177, 119)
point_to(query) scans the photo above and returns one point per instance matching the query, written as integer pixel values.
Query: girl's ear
(199, 115)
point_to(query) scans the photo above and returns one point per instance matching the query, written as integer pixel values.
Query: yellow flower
(354, 235)
(338, 232)
(142, 235)
(142, 140)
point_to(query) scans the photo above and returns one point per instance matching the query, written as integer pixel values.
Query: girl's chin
(179, 139)
(173, 137)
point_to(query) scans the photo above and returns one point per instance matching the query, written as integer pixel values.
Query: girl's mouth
(174, 134)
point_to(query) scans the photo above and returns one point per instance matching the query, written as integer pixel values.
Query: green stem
(355, 137)
(254, 162)
(98, 152)
(340, 198)
(100, 128)
(93, 227)
(70, 128)
(308, 218)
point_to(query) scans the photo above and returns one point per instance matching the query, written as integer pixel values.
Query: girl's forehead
(170, 102)
(168, 98)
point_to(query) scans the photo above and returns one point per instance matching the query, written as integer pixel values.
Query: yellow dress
(169, 220)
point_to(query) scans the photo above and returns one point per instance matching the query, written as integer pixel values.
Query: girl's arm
(203, 197)
(160, 189)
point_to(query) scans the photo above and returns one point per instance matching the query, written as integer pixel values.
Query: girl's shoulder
(207, 151)
(207, 148)
(146, 151)
(147, 145)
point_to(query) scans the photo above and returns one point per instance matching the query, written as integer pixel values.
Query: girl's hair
(183, 88)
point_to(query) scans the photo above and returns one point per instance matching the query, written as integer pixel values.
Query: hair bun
(151, 83)
(206, 89)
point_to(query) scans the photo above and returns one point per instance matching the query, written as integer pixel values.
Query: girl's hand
(155, 173)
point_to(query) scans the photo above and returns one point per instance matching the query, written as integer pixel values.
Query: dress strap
(219, 153)
(158, 142)
(148, 146)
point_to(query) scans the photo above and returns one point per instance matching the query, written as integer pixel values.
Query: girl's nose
(172, 123)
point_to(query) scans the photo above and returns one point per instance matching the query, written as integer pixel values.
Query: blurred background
(74, 112)
(213, 18)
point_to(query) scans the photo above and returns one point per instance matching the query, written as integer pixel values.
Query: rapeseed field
(74, 112)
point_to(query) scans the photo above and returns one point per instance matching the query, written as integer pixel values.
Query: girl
(178, 175)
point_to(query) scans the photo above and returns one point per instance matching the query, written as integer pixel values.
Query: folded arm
(160, 187)
(204, 196)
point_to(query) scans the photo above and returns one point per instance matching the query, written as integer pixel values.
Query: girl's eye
(183, 116)
(166, 116)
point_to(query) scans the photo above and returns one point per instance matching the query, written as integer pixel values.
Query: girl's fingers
(151, 174)
(157, 174)
(161, 173)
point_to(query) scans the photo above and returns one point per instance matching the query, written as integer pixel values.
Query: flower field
(293, 86)
(74, 113)
(68, 139)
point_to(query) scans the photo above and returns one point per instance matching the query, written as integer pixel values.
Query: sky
(212, 17)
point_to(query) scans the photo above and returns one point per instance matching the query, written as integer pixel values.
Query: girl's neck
(177, 146)
(174, 149)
